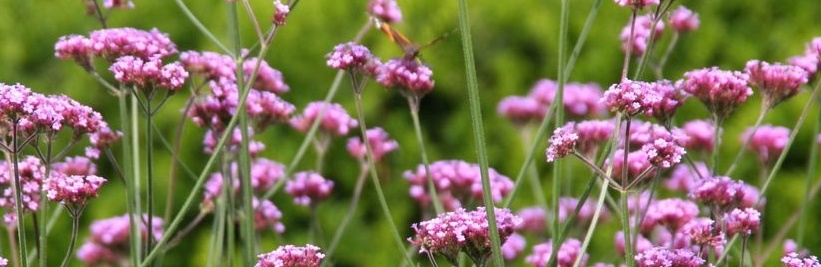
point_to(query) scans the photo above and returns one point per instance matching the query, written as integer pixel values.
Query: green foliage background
(515, 44)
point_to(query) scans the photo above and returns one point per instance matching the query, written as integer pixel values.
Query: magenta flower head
(75, 47)
(777, 82)
(592, 133)
(568, 252)
(102, 139)
(352, 57)
(378, 139)
(641, 34)
(684, 20)
(683, 178)
(335, 120)
(521, 109)
(795, 260)
(73, 190)
(514, 246)
(742, 221)
(630, 97)
(579, 100)
(117, 42)
(720, 90)
(114, 232)
(672, 213)
(533, 219)
(290, 255)
(31, 172)
(585, 216)
(268, 79)
(148, 74)
(661, 257)
(638, 4)
(308, 187)
(670, 99)
(93, 254)
(75, 166)
(664, 152)
(460, 230)
(700, 133)
(385, 10)
(767, 141)
(562, 142)
(642, 243)
(455, 181)
(267, 216)
(408, 75)
(280, 13)
(724, 193)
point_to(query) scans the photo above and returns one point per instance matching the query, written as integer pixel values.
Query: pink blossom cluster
(664, 152)
(121, 4)
(637, 163)
(720, 90)
(101, 139)
(766, 141)
(148, 74)
(578, 99)
(31, 172)
(113, 43)
(683, 19)
(565, 257)
(353, 57)
(280, 13)
(234, 142)
(643, 133)
(385, 10)
(264, 174)
(593, 133)
(700, 135)
(635, 37)
(267, 215)
(456, 182)
(215, 110)
(290, 255)
(514, 246)
(637, 3)
(670, 99)
(334, 121)
(631, 97)
(724, 193)
(308, 187)
(562, 142)
(3, 262)
(672, 213)
(109, 240)
(642, 243)
(533, 220)
(742, 221)
(75, 166)
(659, 257)
(379, 141)
(795, 260)
(521, 109)
(72, 189)
(810, 61)
(406, 74)
(777, 82)
(567, 205)
(30, 111)
(461, 230)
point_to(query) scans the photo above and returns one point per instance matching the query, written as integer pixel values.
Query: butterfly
(409, 48)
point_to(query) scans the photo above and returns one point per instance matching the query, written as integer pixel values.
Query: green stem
(625, 221)
(75, 228)
(718, 121)
(18, 195)
(812, 166)
(413, 104)
(659, 69)
(44, 205)
(758, 121)
(651, 41)
(343, 225)
(202, 28)
(149, 162)
(131, 192)
(629, 53)
(593, 223)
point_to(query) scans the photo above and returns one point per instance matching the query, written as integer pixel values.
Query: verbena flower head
(671, 98)
(662, 257)
(264, 174)
(664, 152)
(684, 178)
(31, 172)
(533, 220)
(795, 260)
(630, 97)
(215, 110)
(409, 75)
(75, 47)
(121, 4)
(385, 10)
(308, 187)
(672, 213)
(642, 243)
(75, 166)
(641, 33)
(335, 120)
(521, 109)
(562, 142)
(72, 189)
(700, 135)
(742, 221)
(93, 254)
(4, 262)
(514, 246)
(280, 13)
(234, 142)
(720, 90)
(268, 79)
(117, 42)
(700, 232)
(777, 82)
(102, 139)
(290, 255)
(460, 230)
(568, 252)
(352, 57)
(266, 108)
(593, 133)
(378, 139)
(267, 216)
(567, 205)
(579, 99)
(639, 4)
(766, 141)
(148, 74)
(455, 182)
(724, 193)
(215, 66)
(114, 233)
(683, 20)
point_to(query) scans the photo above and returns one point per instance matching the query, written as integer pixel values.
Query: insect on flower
(408, 47)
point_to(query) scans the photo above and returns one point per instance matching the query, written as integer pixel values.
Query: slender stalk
(13, 247)
(645, 57)
(202, 28)
(758, 121)
(625, 221)
(559, 116)
(75, 228)
(413, 104)
(131, 191)
(659, 69)
(41, 225)
(743, 248)
(149, 166)
(593, 222)
(535, 182)
(343, 225)
(175, 154)
(18, 194)
(812, 166)
(718, 121)
(629, 53)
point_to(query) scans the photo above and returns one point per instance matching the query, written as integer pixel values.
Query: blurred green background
(515, 44)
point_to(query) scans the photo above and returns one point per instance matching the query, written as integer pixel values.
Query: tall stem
(18, 195)
(41, 225)
(413, 104)
(625, 218)
(812, 165)
(75, 228)
(132, 198)
(357, 194)
(629, 53)
(758, 121)
(149, 166)
(718, 121)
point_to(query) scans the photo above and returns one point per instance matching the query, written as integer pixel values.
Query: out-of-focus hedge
(515, 44)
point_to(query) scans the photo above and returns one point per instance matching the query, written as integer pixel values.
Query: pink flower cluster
(725, 193)
(641, 34)
(637, 3)
(521, 109)
(672, 213)
(514, 245)
(533, 220)
(461, 230)
(290, 255)
(562, 142)
(811, 59)
(148, 74)
(456, 182)
(631, 97)
(579, 99)
(795, 260)
(720, 90)
(113, 43)
(777, 82)
(683, 19)
(32, 111)
(385, 10)
(234, 142)
(280, 13)
(406, 74)
(31, 172)
(664, 152)
(308, 187)
(72, 189)
(215, 110)
(264, 174)
(670, 99)
(700, 135)
(335, 120)
(75, 166)
(215, 66)
(109, 241)
(593, 133)
(122, 4)
(766, 141)
(267, 215)
(659, 257)
(742, 221)
(637, 163)
(585, 216)
(684, 178)
(353, 57)
(379, 141)
(565, 257)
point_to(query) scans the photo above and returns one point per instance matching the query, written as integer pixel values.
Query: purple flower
(592, 133)
(460, 230)
(630, 97)
(701, 135)
(234, 142)
(117, 42)
(701, 232)
(114, 233)
(378, 139)
(307, 187)
(408, 75)
(268, 79)
(777, 82)
(148, 74)
(671, 98)
(742, 221)
(289, 255)
(264, 174)
(385, 10)
(215, 66)
(684, 20)
(31, 172)
(352, 57)
(642, 243)
(76, 47)
(585, 216)
(663, 257)
(664, 152)
(562, 142)
(767, 141)
(266, 108)
(266, 215)
(521, 109)
(514, 246)
(335, 120)
(720, 90)
(73, 189)
(568, 252)
(684, 178)
(638, 4)
(641, 33)
(725, 193)
(533, 219)
(215, 110)
(455, 181)
(93, 254)
(280, 13)
(121, 4)
(672, 213)
(102, 139)
(794, 260)
(579, 99)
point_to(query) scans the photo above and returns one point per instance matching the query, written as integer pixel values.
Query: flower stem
(593, 222)
(357, 194)
(131, 191)
(625, 221)
(718, 121)
(758, 121)
(629, 53)
(812, 165)
(202, 28)
(18, 194)
(413, 104)
(75, 228)
(659, 69)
